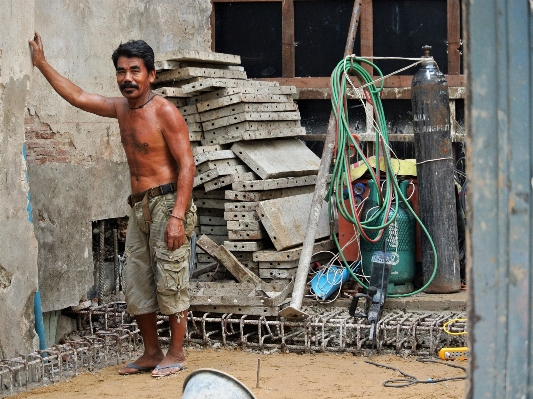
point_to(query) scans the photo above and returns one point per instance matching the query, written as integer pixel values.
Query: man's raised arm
(94, 103)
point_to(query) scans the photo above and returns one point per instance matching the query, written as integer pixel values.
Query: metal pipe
(293, 310)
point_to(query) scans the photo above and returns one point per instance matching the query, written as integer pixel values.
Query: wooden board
(222, 255)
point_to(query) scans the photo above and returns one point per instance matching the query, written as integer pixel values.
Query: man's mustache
(128, 85)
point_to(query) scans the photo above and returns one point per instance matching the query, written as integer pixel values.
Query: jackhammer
(375, 295)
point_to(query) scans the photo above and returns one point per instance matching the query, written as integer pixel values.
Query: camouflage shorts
(154, 277)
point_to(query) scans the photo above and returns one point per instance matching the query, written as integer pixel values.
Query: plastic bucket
(214, 384)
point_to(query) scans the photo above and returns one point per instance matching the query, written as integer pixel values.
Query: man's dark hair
(135, 48)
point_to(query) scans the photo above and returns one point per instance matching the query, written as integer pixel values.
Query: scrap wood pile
(254, 181)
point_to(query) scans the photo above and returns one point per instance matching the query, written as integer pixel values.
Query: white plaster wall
(18, 249)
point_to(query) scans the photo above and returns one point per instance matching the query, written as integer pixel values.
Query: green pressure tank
(400, 242)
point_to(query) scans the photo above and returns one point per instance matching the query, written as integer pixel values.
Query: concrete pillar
(18, 251)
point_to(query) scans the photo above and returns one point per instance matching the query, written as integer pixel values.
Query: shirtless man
(156, 141)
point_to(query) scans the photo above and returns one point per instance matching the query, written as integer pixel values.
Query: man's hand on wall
(38, 50)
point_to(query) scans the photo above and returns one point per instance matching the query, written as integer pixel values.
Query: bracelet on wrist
(177, 217)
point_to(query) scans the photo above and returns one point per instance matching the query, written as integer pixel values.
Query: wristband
(177, 217)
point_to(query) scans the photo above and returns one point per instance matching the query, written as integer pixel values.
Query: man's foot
(163, 371)
(143, 364)
(132, 368)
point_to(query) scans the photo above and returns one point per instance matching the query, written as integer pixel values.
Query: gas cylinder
(435, 168)
(398, 241)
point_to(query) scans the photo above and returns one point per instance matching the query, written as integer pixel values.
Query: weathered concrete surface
(93, 182)
(277, 158)
(285, 220)
(18, 253)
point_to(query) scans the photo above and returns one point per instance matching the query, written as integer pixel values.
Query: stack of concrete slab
(248, 159)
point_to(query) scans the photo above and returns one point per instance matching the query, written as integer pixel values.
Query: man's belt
(152, 192)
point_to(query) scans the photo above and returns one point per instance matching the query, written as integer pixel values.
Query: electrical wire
(346, 140)
(411, 380)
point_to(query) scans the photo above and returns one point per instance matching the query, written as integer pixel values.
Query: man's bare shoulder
(168, 112)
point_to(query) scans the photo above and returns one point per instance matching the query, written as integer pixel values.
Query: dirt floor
(281, 376)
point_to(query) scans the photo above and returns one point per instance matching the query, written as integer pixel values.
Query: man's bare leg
(175, 356)
(153, 354)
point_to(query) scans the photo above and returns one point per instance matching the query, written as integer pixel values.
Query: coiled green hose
(341, 178)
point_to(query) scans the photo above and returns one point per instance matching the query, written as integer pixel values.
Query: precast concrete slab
(277, 158)
(199, 56)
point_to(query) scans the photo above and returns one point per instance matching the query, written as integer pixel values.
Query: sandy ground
(281, 376)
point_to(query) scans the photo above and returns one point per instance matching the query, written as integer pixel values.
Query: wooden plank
(292, 254)
(177, 75)
(225, 101)
(272, 184)
(454, 36)
(212, 83)
(223, 181)
(250, 116)
(288, 64)
(366, 29)
(247, 107)
(222, 255)
(241, 216)
(268, 194)
(199, 56)
(225, 92)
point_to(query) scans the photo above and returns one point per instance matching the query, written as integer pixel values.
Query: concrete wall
(77, 167)
(18, 252)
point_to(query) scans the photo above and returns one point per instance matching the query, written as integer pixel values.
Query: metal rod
(293, 310)
(115, 260)
(101, 264)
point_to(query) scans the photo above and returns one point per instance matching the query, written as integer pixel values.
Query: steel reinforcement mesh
(107, 335)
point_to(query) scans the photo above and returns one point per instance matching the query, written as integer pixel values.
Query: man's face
(133, 78)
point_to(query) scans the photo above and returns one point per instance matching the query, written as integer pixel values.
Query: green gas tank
(398, 241)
